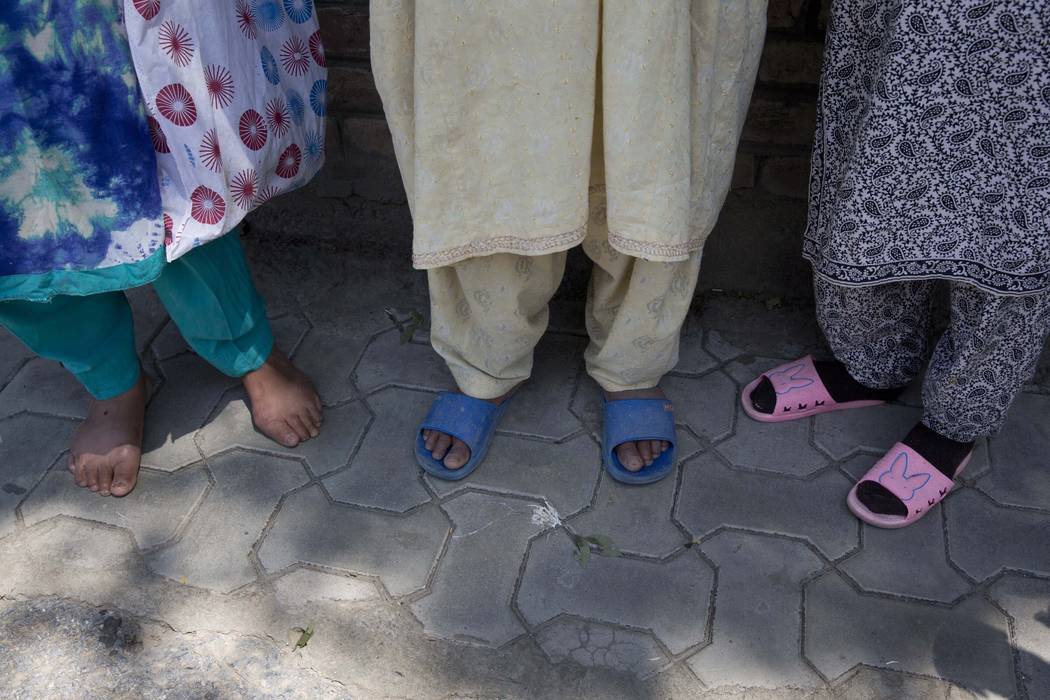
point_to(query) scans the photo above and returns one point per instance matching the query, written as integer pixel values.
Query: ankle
(844, 388)
(942, 452)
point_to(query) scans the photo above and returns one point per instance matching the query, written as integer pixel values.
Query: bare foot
(107, 447)
(285, 405)
(453, 452)
(635, 455)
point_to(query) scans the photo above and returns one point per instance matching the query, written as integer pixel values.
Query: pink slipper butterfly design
(907, 475)
(800, 394)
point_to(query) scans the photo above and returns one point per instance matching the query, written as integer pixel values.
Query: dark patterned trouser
(990, 349)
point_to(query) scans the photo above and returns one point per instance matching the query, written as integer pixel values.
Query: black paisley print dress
(932, 154)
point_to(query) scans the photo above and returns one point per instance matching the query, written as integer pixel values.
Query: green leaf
(605, 545)
(304, 637)
(582, 553)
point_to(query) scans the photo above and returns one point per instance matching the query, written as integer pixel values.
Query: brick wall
(357, 202)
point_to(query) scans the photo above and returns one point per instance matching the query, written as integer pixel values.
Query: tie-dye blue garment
(80, 206)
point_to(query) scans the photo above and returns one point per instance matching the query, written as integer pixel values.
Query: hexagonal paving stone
(384, 473)
(693, 359)
(213, 550)
(714, 495)
(637, 520)
(179, 408)
(967, 644)
(707, 405)
(541, 406)
(746, 368)
(1028, 602)
(669, 598)
(587, 405)
(781, 448)
(908, 563)
(302, 586)
(877, 429)
(231, 426)
(67, 558)
(758, 625)
(364, 288)
(13, 354)
(1019, 455)
(758, 328)
(328, 355)
(565, 474)
(980, 463)
(64, 396)
(28, 446)
(153, 512)
(720, 348)
(470, 595)
(388, 361)
(400, 550)
(593, 644)
(985, 538)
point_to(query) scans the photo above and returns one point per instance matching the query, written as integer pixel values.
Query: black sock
(836, 379)
(943, 453)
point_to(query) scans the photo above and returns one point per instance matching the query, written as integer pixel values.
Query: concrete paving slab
(213, 552)
(618, 591)
(470, 596)
(29, 445)
(757, 629)
(968, 644)
(160, 504)
(400, 550)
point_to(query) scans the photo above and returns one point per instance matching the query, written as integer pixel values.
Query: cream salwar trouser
(488, 313)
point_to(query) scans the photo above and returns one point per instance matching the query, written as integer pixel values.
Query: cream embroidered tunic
(492, 106)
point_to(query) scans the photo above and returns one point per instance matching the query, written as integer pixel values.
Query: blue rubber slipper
(631, 420)
(471, 420)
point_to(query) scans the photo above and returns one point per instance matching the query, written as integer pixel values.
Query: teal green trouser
(208, 293)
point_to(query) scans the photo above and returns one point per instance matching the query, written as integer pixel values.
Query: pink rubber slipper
(908, 476)
(800, 394)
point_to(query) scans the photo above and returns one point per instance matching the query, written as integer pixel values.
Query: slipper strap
(908, 476)
(638, 419)
(463, 417)
(798, 387)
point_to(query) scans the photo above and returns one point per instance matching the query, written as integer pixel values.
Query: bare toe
(441, 446)
(279, 431)
(91, 475)
(285, 405)
(105, 478)
(645, 450)
(79, 473)
(125, 476)
(629, 457)
(458, 455)
(300, 426)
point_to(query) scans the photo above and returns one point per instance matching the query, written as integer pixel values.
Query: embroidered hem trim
(501, 244)
(659, 252)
